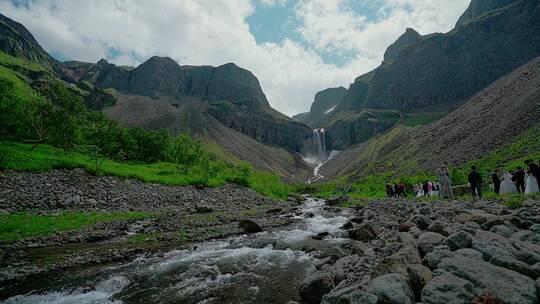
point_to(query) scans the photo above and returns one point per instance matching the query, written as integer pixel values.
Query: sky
(294, 47)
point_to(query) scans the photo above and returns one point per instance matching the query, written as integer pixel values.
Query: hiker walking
(496, 180)
(520, 180)
(445, 182)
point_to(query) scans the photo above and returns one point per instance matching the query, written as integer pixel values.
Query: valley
(167, 182)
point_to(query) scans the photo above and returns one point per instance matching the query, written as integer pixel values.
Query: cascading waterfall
(319, 142)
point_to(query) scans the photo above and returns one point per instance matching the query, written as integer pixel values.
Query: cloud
(209, 32)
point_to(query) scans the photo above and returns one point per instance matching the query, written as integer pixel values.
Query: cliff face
(229, 93)
(442, 69)
(324, 104)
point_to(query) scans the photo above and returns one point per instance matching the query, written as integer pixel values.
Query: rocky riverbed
(173, 216)
(385, 252)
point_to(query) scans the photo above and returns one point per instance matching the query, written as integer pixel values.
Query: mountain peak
(102, 61)
(410, 36)
(480, 7)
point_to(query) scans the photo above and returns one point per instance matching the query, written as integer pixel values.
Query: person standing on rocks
(534, 170)
(520, 180)
(475, 182)
(496, 180)
(425, 187)
(445, 182)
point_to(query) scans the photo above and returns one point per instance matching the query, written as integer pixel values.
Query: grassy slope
(20, 157)
(526, 146)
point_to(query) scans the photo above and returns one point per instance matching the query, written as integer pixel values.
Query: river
(265, 267)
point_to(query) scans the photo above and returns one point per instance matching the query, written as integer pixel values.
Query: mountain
(225, 105)
(301, 117)
(436, 73)
(324, 104)
(490, 120)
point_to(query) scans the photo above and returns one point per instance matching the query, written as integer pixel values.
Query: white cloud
(213, 32)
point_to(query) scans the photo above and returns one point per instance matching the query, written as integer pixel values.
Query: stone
(405, 227)
(249, 226)
(448, 288)
(419, 275)
(364, 232)
(202, 208)
(347, 226)
(419, 221)
(490, 224)
(528, 236)
(427, 242)
(342, 266)
(350, 295)
(433, 259)
(524, 251)
(515, 265)
(392, 289)
(489, 249)
(506, 285)
(336, 200)
(438, 227)
(315, 286)
(459, 240)
(320, 236)
(388, 265)
(502, 230)
(469, 253)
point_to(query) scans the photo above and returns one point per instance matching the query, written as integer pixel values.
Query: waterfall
(319, 143)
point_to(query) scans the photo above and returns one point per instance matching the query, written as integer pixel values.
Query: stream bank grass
(18, 226)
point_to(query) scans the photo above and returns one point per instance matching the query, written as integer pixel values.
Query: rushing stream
(266, 267)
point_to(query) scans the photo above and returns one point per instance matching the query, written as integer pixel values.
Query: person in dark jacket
(496, 180)
(520, 180)
(534, 170)
(425, 187)
(475, 180)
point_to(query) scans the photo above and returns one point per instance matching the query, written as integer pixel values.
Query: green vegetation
(18, 226)
(35, 123)
(526, 146)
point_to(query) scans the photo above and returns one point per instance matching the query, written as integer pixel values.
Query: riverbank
(64, 219)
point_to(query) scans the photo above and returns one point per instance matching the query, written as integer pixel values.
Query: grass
(413, 120)
(18, 226)
(10, 61)
(18, 156)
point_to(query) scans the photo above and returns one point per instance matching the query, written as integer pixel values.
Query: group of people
(520, 181)
(428, 188)
(397, 190)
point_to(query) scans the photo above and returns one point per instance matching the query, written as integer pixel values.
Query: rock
(489, 249)
(459, 240)
(200, 208)
(320, 236)
(438, 227)
(415, 232)
(427, 242)
(502, 230)
(433, 259)
(424, 211)
(405, 227)
(343, 266)
(250, 226)
(490, 224)
(420, 221)
(392, 289)
(336, 200)
(350, 295)
(419, 275)
(527, 236)
(506, 285)
(347, 226)
(515, 265)
(469, 253)
(448, 288)
(274, 210)
(388, 265)
(525, 252)
(315, 286)
(364, 233)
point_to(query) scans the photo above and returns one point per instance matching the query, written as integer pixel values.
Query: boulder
(343, 266)
(336, 200)
(502, 230)
(506, 285)
(200, 208)
(249, 226)
(315, 286)
(491, 223)
(433, 259)
(527, 236)
(350, 295)
(388, 265)
(419, 221)
(405, 227)
(489, 249)
(515, 265)
(364, 232)
(469, 253)
(392, 289)
(459, 240)
(427, 242)
(438, 227)
(448, 288)
(524, 251)
(419, 275)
